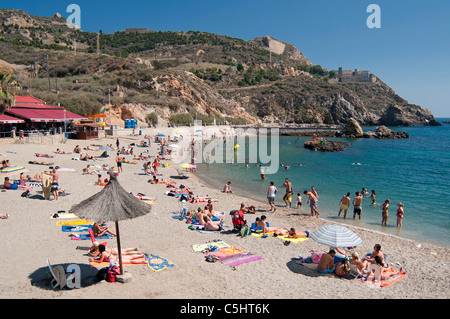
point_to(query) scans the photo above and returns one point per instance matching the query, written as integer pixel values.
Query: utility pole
(48, 75)
(109, 103)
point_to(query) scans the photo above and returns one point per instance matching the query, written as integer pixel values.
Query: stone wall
(355, 76)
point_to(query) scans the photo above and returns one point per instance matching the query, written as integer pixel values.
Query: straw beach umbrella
(112, 203)
(336, 236)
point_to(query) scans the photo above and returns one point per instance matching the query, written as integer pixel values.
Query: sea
(414, 171)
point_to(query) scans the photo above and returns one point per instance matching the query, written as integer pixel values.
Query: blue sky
(410, 52)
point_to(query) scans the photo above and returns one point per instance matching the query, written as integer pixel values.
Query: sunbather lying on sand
(278, 231)
(294, 233)
(89, 170)
(95, 251)
(247, 210)
(40, 163)
(105, 256)
(143, 197)
(85, 157)
(124, 160)
(58, 151)
(4, 216)
(36, 178)
(42, 155)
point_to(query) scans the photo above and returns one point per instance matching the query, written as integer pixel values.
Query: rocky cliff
(211, 76)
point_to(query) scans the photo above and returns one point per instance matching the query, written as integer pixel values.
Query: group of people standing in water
(357, 206)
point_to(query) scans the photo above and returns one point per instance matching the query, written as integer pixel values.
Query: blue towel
(87, 237)
(75, 228)
(259, 227)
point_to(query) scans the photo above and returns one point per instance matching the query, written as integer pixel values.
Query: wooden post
(119, 250)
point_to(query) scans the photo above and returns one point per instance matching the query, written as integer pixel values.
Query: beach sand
(29, 236)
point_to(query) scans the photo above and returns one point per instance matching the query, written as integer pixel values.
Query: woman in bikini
(385, 213)
(105, 256)
(399, 214)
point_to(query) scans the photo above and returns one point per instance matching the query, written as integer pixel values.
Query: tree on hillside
(7, 84)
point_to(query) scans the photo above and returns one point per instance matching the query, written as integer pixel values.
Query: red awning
(45, 115)
(6, 119)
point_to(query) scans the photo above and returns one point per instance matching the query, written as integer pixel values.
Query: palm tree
(7, 85)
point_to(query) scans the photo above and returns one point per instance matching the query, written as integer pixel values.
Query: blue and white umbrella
(336, 236)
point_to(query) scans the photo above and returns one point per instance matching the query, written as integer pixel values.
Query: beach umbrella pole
(119, 250)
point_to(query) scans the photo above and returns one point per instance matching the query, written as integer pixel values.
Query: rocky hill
(183, 75)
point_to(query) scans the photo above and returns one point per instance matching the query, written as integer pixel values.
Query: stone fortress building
(355, 76)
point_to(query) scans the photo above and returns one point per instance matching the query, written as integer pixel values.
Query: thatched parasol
(112, 203)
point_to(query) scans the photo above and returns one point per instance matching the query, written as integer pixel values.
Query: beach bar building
(86, 130)
(33, 113)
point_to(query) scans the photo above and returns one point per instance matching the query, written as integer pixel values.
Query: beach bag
(245, 231)
(25, 194)
(111, 273)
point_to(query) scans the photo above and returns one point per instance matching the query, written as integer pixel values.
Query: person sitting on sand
(42, 155)
(376, 252)
(100, 182)
(261, 223)
(210, 225)
(227, 188)
(77, 149)
(210, 207)
(36, 178)
(342, 268)
(105, 256)
(100, 231)
(360, 266)
(8, 185)
(326, 263)
(248, 210)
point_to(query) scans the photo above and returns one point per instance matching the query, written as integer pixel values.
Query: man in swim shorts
(326, 263)
(288, 196)
(344, 203)
(54, 185)
(357, 205)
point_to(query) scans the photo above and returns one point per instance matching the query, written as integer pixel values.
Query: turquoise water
(414, 171)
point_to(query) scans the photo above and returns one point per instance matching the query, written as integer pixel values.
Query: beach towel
(63, 215)
(227, 251)
(392, 279)
(95, 184)
(157, 263)
(239, 259)
(74, 222)
(124, 263)
(259, 227)
(260, 234)
(200, 247)
(294, 240)
(62, 169)
(75, 228)
(150, 202)
(88, 237)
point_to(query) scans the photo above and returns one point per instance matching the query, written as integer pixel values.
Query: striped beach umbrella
(336, 236)
(12, 170)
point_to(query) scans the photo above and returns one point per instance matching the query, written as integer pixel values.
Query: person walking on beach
(119, 163)
(385, 213)
(271, 192)
(312, 203)
(117, 143)
(400, 213)
(357, 201)
(313, 190)
(299, 200)
(288, 196)
(344, 204)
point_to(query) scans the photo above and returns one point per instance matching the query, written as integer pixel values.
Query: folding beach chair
(181, 173)
(59, 276)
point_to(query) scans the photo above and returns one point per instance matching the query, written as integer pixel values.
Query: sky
(410, 51)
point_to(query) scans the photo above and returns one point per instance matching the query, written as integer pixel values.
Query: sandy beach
(29, 236)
